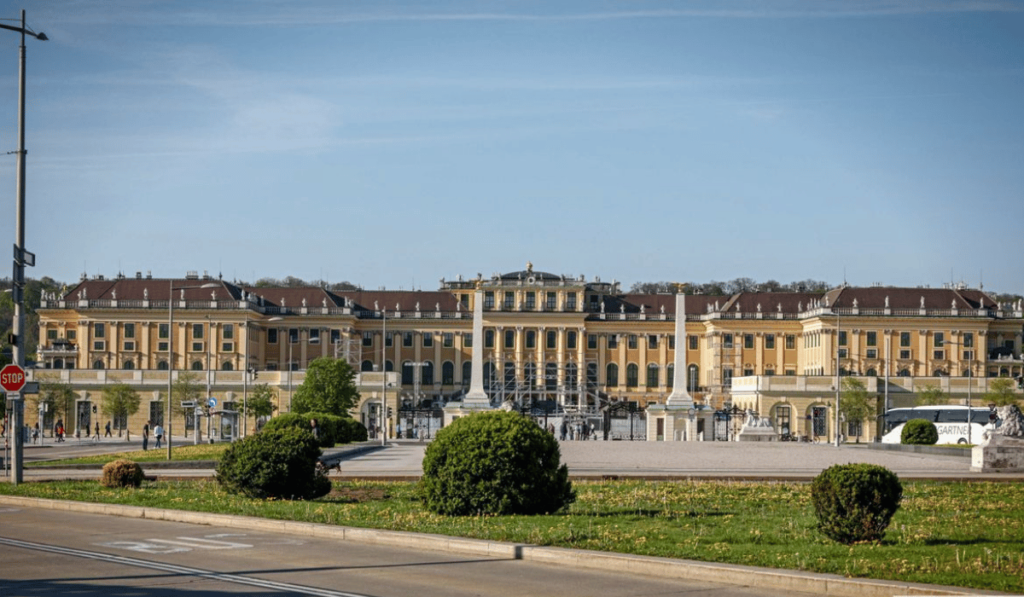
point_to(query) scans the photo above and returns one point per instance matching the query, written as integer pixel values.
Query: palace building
(563, 346)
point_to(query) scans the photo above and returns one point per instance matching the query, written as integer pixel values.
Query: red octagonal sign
(12, 378)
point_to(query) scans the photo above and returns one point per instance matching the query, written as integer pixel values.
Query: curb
(822, 584)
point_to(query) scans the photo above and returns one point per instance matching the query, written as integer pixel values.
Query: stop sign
(12, 378)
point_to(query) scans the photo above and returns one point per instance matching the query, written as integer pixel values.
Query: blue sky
(395, 143)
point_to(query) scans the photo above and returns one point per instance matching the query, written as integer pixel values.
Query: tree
(1000, 392)
(329, 387)
(930, 395)
(261, 403)
(186, 388)
(56, 394)
(120, 401)
(857, 404)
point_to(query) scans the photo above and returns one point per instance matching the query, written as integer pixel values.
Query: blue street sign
(211, 402)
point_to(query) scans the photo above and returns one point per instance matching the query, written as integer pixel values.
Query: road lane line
(180, 570)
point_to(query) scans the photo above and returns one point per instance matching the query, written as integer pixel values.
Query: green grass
(178, 453)
(961, 534)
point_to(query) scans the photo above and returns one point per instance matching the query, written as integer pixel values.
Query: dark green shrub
(122, 473)
(855, 502)
(276, 463)
(332, 428)
(919, 432)
(495, 463)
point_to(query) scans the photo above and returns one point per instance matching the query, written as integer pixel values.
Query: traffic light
(93, 409)
(389, 412)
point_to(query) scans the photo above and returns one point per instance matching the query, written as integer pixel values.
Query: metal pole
(245, 380)
(384, 378)
(209, 373)
(170, 362)
(838, 392)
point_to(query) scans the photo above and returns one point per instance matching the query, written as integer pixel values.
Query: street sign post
(12, 379)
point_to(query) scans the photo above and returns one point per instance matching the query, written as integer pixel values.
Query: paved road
(47, 553)
(598, 459)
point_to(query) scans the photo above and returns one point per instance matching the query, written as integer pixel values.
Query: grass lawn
(178, 452)
(962, 534)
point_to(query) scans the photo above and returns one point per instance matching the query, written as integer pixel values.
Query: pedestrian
(97, 430)
(145, 436)
(593, 431)
(314, 428)
(60, 430)
(35, 433)
(107, 434)
(158, 432)
(564, 430)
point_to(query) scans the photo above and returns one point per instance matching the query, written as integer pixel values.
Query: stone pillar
(680, 425)
(476, 397)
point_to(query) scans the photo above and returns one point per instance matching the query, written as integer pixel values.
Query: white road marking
(180, 570)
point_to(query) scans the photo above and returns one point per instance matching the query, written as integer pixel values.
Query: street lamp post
(21, 256)
(839, 428)
(170, 354)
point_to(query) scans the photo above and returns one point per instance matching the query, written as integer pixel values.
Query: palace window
(968, 340)
(631, 342)
(613, 341)
(551, 301)
(510, 339)
(905, 339)
(510, 300)
(790, 341)
(467, 340)
(389, 339)
(272, 336)
(652, 375)
(314, 335)
(428, 340)
(129, 331)
(531, 339)
(842, 338)
(748, 341)
(197, 331)
(769, 341)
(652, 341)
(632, 375)
(939, 339)
(611, 375)
(227, 332)
(448, 373)
(692, 340)
(99, 330)
(570, 340)
(592, 341)
(367, 339)
(293, 335)
(872, 339)
(448, 341)
(552, 339)
(489, 339)
(489, 300)
(570, 301)
(531, 300)
(407, 339)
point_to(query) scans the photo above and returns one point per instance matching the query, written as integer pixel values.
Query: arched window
(162, 366)
(591, 373)
(197, 365)
(652, 375)
(903, 373)
(510, 372)
(467, 372)
(227, 366)
(692, 378)
(966, 373)
(938, 373)
(571, 375)
(366, 365)
(1004, 372)
(871, 372)
(551, 376)
(97, 364)
(489, 374)
(407, 375)
(448, 373)
(632, 375)
(611, 378)
(670, 373)
(58, 363)
(128, 365)
(389, 366)
(428, 373)
(530, 373)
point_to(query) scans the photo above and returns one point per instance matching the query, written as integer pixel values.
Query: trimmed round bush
(122, 473)
(855, 502)
(919, 432)
(495, 463)
(279, 463)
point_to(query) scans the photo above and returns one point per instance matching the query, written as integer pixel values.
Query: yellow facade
(579, 342)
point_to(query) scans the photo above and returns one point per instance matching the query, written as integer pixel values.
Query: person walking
(97, 431)
(35, 433)
(158, 432)
(145, 436)
(60, 430)
(107, 434)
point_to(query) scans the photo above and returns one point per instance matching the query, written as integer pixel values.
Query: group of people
(578, 430)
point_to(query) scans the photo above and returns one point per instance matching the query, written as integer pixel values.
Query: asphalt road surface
(48, 553)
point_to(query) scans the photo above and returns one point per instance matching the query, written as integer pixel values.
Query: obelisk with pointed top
(680, 396)
(476, 397)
